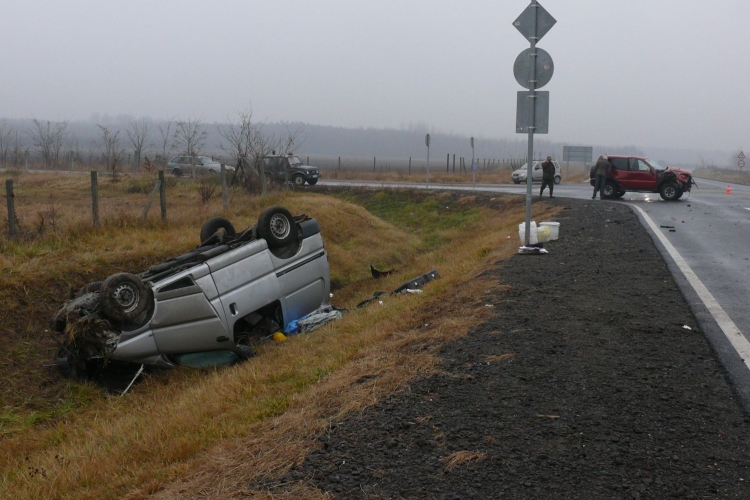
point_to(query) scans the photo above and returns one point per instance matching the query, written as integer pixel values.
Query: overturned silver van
(220, 297)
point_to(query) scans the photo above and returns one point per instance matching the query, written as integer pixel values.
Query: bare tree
(137, 134)
(190, 137)
(165, 144)
(49, 137)
(6, 131)
(248, 144)
(111, 144)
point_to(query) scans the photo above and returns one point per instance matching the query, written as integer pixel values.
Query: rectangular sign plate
(523, 112)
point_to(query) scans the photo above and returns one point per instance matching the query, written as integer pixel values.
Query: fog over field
(663, 79)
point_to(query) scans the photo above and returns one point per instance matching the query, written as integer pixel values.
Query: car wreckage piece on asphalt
(224, 295)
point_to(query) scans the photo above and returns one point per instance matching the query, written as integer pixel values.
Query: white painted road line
(735, 336)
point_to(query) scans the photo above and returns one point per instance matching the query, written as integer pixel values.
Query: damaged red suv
(633, 173)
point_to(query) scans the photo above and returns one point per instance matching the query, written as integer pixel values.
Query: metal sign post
(427, 143)
(533, 70)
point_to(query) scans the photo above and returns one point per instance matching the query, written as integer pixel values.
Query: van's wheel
(298, 180)
(558, 179)
(215, 224)
(177, 172)
(670, 191)
(609, 190)
(123, 297)
(276, 226)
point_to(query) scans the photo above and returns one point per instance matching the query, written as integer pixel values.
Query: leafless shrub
(207, 189)
(49, 217)
(148, 166)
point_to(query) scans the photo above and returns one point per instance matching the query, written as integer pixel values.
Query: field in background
(723, 175)
(68, 439)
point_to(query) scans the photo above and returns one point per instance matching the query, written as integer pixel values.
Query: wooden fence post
(11, 208)
(95, 197)
(410, 165)
(454, 163)
(163, 196)
(151, 198)
(447, 163)
(373, 164)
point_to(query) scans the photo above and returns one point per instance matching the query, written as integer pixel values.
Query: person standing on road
(603, 167)
(548, 176)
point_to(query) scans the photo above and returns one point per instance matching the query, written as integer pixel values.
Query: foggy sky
(669, 73)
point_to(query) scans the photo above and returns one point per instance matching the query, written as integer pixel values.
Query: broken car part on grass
(410, 286)
(212, 303)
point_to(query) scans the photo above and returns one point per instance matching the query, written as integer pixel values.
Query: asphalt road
(704, 239)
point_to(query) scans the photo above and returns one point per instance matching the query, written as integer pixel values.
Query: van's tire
(298, 180)
(609, 190)
(276, 226)
(312, 182)
(214, 224)
(177, 172)
(670, 191)
(123, 297)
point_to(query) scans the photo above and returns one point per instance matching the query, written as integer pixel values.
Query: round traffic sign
(741, 163)
(523, 68)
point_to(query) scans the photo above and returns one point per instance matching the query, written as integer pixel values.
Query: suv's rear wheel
(177, 172)
(276, 226)
(609, 190)
(670, 191)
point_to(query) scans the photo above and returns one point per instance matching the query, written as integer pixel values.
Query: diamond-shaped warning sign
(525, 22)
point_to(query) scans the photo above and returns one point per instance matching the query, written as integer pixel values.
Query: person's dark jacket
(548, 171)
(603, 167)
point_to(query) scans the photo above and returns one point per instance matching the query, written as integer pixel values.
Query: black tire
(670, 191)
(177, 172)
(609, 190)
(620, 194)
(298, 180)
(276, 226)
(312, 182)
(94, 286)
(212, 225)
(123, 297)
(558, 179)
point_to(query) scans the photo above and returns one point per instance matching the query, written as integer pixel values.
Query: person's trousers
(599, 184)
(545, 183)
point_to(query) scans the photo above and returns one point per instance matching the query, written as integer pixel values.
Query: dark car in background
(635, 173)
(290, 168)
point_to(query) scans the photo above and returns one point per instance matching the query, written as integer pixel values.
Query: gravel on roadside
(592, 380)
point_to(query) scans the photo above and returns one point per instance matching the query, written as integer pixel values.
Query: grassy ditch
(215, 431)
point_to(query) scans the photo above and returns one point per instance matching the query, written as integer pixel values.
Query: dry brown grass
(461, 457)
(492, 177)
(211, 434)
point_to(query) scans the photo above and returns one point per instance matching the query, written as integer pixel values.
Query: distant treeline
(85, 142)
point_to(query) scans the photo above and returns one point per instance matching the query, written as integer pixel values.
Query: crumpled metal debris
(408, 287)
